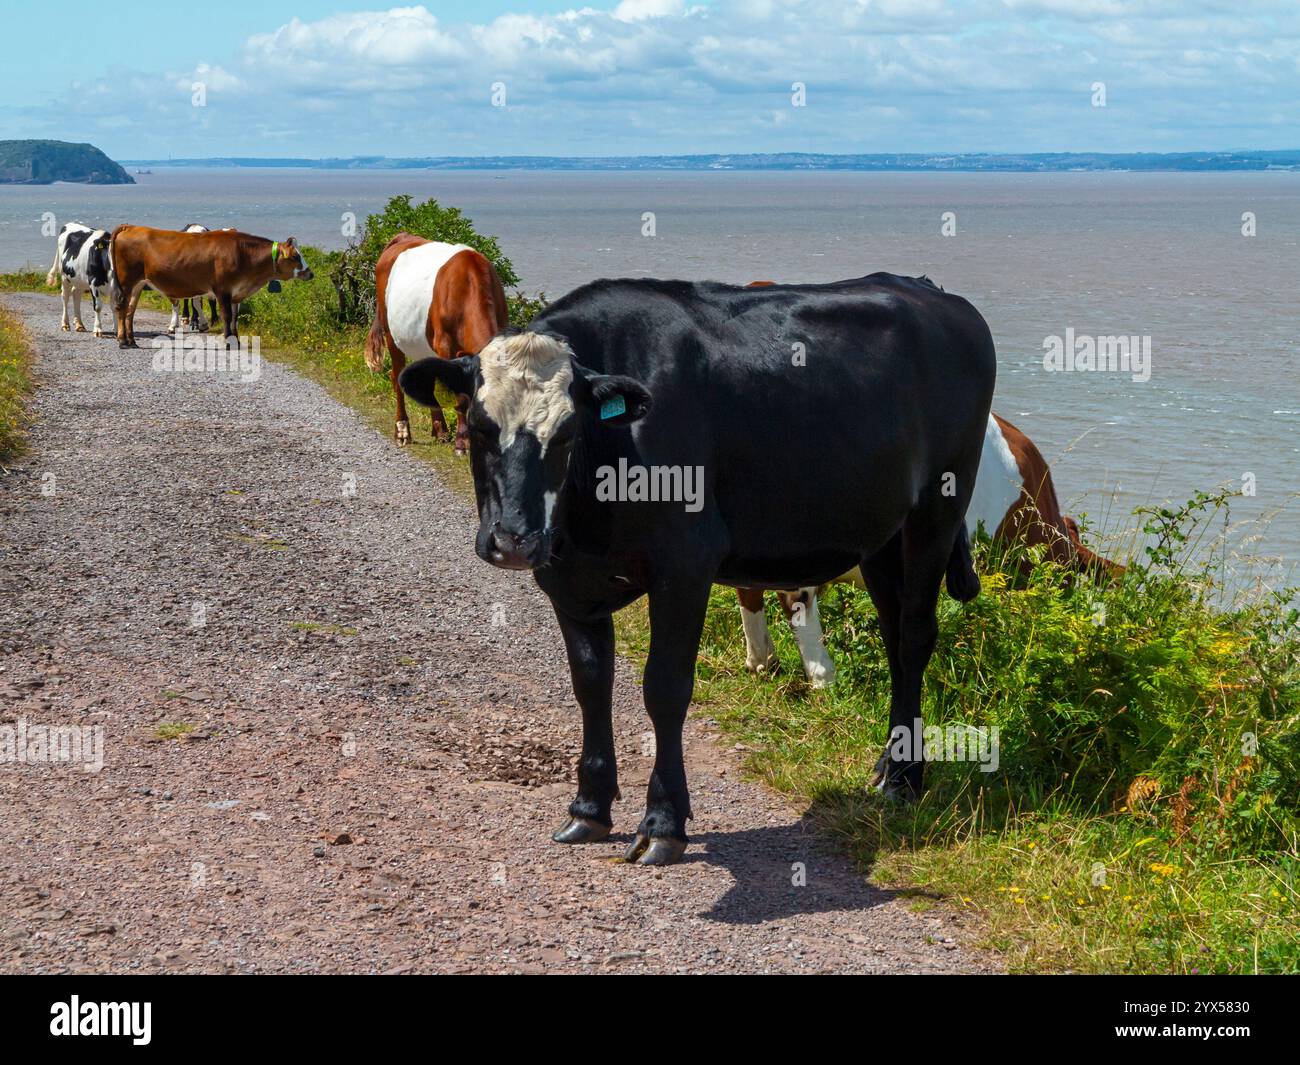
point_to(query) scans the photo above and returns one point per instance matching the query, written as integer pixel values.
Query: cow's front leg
(590, 645)
(95, 303)
(676, 621)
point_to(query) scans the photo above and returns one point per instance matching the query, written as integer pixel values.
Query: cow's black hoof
(895, 781)
(655, 850)
(582, 830)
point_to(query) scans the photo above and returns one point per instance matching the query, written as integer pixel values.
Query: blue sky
(655, 76)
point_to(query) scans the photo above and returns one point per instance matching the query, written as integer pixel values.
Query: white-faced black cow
(619, 449)
(81, 264)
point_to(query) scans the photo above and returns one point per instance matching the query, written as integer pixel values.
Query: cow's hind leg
(76, 309)
(801, 612)
(760, 652)
(64, 293)
(883, 575)
(590, 645)
(904, 582)
(676, 621)
(96, 301)
(396, 364)
(126, 317)
(462, 425)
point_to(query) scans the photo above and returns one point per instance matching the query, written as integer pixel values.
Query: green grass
(15, 384)
(25, 280)
(172, 730)
(328, 628)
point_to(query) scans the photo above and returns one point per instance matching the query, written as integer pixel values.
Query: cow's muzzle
(510, 550)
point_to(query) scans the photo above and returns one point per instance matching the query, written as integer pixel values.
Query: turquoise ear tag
(274, 286)
(612, 408)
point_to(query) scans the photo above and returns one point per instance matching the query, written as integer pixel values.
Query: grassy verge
(15, 384)
(26, 280)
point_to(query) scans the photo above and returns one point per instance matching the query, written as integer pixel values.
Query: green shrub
(1142, 692)
(353, 274)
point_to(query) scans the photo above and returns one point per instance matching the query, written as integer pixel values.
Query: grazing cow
(190, 311)
(614, 454)
(81, 261)
(229, 264)
(1014, 500)
(432, 299)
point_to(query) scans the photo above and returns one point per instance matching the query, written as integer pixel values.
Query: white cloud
(400, 36)
(667, 76)
(637, 10)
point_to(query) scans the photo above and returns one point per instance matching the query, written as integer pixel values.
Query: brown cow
(229, 264)
(432, 299)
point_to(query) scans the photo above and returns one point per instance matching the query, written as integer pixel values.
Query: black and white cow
(620, 448)
(190, 311)
(81, 264)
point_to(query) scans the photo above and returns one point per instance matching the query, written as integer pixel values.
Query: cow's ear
(456, 375)
(615, 400)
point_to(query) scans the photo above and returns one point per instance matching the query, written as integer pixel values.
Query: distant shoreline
(1057, 162)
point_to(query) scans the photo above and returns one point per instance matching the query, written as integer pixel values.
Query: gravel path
(383, 733)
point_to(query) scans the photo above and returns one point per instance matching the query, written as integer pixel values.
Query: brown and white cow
(1014, 500)
(229, 264)
(432, 299)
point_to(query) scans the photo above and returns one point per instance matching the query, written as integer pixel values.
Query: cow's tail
(375, 346)
(114, 287)
(962, 580)
(53, 276)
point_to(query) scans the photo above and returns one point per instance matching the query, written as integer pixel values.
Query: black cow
(621, 447)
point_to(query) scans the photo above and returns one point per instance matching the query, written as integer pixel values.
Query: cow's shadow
(785, 870)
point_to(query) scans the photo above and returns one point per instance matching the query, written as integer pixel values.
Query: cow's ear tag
(612, 408)
(274, 286)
